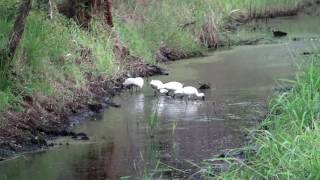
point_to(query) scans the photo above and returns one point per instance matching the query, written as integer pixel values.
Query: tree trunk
(94, 4)
(51, 8)
(18, 28)
(108, 12)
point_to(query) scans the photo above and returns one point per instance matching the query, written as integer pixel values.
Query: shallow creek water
(122, 144)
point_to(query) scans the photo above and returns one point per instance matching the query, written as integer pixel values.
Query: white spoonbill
(133, 82)
(155, 84)
(171, 86)
(190, 92)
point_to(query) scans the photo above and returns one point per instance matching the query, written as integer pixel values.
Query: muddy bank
(45, 117)
(166, 54)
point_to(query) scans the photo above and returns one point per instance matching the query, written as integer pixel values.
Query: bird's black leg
(131, 89)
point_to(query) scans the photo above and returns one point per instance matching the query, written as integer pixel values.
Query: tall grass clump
(257, 5)
(153, 120)
(42, 56)
(53, 57)
(147, 27)
(290, 139)
(98, 41)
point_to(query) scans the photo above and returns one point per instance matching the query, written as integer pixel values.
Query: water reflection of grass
(174, 126)
(153, 120)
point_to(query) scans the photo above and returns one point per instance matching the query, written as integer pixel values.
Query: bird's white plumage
(134, 82)
(155, 84)
(129, 81)
(171, 86)
(200, 95)
(189, 91)
(139, 82)
(179, 92)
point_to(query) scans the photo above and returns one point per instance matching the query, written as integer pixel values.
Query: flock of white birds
(174, 89)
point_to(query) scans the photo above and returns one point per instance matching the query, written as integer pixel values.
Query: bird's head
(201, 95)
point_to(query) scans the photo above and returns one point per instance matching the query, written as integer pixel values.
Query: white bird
(155, 84)
(171, 86)
(136, 82)
(190, 92)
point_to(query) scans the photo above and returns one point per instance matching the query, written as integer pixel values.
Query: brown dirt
(166, 54)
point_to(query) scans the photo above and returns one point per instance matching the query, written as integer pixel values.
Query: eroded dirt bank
(43, 117)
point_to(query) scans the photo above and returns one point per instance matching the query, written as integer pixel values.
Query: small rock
(295, 39)
(95, 107)
(80, 136)
(279, 33)
(112, 104)
(39, 140)
(85, 138)
(306, 53)
(115, 105)
(28, 99)
(204, 86)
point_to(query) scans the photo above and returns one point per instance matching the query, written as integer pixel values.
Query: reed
(289, 137)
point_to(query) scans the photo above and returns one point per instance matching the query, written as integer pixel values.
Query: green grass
(51, 53)
(159, 23)
(290, 139)
(153, 120)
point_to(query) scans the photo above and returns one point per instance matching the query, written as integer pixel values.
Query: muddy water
(122, 144)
